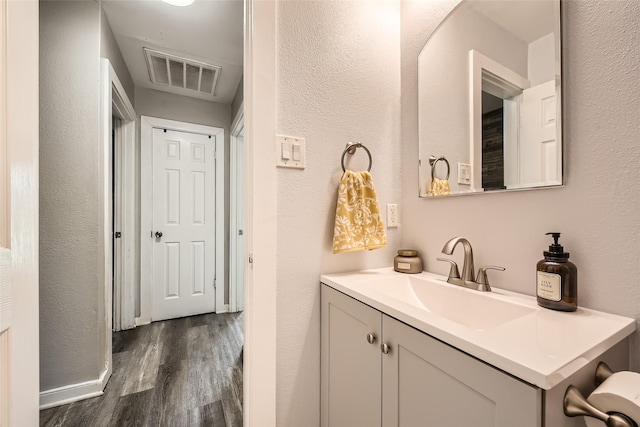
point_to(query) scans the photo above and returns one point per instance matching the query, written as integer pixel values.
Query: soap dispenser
(557, 279)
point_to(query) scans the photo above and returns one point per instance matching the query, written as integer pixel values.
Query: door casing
(121, 292)
(237, 251)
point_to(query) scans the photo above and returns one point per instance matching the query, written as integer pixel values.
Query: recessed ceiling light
(179, 2)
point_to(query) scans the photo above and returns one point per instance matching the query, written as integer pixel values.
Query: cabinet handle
(386, 348)
(371, 338)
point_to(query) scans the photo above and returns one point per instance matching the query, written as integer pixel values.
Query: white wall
(71, 254)
(109, 49)
(541, 63)
(169, 106)
(337, 81)
(598, 209)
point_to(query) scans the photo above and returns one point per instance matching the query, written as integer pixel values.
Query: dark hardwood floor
(180, 372)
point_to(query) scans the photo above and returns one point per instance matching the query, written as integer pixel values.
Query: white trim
(117, 224)
(74, 392)
(238, 120)
(261, 224)
(5, 188)
(237, 128)
(511, 81)
(115, 102)
(21, 126)
(147, 124)
(141, 322)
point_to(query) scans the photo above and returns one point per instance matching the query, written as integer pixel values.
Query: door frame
(120, 301)
(147, 124)
(236, 302)
(20, 47)
(508, 81)
(114, 101)
(260, 107)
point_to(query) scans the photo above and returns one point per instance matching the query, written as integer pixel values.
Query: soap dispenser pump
(557, 279)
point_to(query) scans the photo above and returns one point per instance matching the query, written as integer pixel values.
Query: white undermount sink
(473, 309)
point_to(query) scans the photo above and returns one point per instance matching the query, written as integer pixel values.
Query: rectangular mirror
(489, 99)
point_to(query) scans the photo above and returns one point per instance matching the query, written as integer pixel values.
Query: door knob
(158, 234)
(371, 338)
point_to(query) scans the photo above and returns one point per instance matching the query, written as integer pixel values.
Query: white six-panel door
(183, 224)
(540, 153)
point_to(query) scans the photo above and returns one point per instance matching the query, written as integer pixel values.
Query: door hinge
(117, 234)
(240, 232)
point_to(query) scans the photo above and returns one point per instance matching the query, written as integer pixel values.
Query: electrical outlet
(392, 215)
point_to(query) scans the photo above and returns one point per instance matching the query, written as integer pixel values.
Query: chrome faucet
(481, 283)
(467, 266)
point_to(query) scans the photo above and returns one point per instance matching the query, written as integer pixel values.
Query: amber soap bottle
(557, 279)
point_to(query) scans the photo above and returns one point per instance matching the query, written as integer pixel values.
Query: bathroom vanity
(413, 350)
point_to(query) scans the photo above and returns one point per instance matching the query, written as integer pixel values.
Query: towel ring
(433, 161)
(351, 149)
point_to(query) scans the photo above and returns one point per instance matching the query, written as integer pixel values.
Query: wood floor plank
(232, 407)
(147, 360)
(210, 415)
(174, 347)
(198, 342)
(81, 415)
(131, 409)
(170, 396)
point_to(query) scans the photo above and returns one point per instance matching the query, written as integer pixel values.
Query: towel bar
(351, 149)
(433, 160)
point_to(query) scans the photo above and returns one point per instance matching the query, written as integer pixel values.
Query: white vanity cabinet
(420, 381)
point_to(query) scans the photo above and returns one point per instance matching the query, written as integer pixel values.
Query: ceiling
(209, 31)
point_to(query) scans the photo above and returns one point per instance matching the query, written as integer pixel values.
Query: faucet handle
(483, 280)
(454, 273)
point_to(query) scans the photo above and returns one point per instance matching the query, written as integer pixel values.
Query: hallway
(180, 372)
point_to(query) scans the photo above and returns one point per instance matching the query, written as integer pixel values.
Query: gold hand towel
(359, 224)
(439, 187)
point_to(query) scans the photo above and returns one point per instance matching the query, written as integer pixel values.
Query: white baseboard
(142, 321)
(74, 392)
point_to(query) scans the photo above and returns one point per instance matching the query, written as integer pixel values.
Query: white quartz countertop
(541, 347)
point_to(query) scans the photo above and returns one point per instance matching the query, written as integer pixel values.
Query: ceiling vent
(171, 70)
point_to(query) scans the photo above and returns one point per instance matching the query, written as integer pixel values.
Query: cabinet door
(427, 383)
(350, 365)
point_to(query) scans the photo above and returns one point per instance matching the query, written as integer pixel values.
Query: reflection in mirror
(489, 99)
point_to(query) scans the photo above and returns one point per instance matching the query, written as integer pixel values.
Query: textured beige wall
(109, 49)
(598, 210)
(338, 81)
(71, 254)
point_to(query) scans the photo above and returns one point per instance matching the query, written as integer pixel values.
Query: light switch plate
(392, 215)
(296, 157)
(464, 173)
